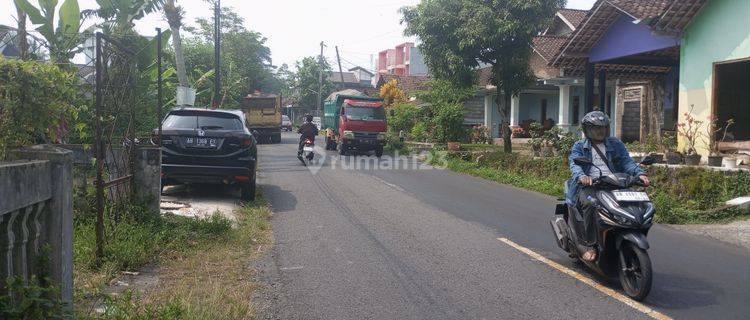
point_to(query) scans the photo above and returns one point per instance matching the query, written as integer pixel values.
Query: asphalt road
(385, 243)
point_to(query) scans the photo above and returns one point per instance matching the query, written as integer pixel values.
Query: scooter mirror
(582, 161)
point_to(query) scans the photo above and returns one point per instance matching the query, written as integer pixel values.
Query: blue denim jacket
(619, 161)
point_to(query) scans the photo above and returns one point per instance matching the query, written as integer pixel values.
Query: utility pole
(341, 73)
(320, 77)
(217, 54)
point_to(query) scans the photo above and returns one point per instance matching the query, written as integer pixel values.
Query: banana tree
(62, 41)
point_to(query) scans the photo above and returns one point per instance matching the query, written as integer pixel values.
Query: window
(364, 113)
(212, 122)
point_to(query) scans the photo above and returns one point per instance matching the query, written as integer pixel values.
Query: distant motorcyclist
(308, 130)
(609, 155)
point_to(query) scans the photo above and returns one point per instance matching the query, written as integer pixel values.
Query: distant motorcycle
(623, 219)
(308, 152)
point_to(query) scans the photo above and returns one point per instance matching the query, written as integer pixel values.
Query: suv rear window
(205, 122)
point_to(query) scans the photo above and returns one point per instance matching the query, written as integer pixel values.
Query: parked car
(286, 124)
(208, 146)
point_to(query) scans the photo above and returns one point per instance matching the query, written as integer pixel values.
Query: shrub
(419, 131)
(403, 117)
(682, 195)
(448, 122)
(39, 103)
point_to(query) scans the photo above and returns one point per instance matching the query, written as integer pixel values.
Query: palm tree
(174, 15)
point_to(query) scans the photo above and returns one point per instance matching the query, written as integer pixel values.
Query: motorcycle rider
(609, 155)
(308, 130)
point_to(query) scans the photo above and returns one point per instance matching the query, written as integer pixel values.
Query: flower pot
(673, 158)
(730, 162)
(658, 157)
(454, 146)
(693, 159)
(715, 161)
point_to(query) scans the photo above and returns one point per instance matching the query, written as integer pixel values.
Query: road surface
(383, 243)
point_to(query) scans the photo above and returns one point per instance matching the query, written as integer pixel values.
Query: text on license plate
(201, 142)
(630, 196)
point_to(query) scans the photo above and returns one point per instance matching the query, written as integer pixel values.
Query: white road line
(603, 289)
(291, 268)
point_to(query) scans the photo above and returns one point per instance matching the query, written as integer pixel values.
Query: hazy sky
(360, 28)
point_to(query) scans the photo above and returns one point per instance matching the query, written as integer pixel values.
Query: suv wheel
(247, 190)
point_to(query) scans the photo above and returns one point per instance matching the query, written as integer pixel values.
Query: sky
(295, 28)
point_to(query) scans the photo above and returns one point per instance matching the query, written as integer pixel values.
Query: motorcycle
(308, 152)
(623, 218)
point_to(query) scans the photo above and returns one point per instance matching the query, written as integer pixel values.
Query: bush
(39, 103)
(683, 195)
(403, 117)
(419, 131)
(448, 123)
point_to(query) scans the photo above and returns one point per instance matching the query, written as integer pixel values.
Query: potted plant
(550, 140)
(669, 147)
(715, 158)
(691, 131)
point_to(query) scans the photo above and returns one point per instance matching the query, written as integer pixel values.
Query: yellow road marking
(612, 293)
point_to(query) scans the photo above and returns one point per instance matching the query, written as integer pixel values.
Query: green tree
(459, 35)
(306, 81)
(245, 58)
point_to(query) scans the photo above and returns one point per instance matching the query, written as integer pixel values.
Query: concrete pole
(564, 108)
(515, 105)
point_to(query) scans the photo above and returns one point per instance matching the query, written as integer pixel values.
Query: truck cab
(355, 124)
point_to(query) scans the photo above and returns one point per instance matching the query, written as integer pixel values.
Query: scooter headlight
(621, 215)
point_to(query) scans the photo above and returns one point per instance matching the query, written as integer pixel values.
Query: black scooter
(623, 219)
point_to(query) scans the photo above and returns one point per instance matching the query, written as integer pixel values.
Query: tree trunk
(507, 147)
(174, 17)
(23, 45)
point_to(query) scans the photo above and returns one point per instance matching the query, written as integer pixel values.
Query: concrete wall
(37, 210)
(417, 65)
(719, 33)
(531, 106)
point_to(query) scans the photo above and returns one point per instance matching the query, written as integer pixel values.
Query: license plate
(310, 149)
(201, 142)
(634, 196)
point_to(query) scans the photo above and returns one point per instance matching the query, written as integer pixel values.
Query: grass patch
(203, 266)
(682, 196)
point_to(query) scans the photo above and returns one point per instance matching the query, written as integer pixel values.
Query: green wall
(720, 32)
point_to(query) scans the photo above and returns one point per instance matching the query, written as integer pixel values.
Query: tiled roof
(671, 15)
(483, 76)
(642, 9)
(349, 77)
(548, 46)
(408, 84)
(574, 16)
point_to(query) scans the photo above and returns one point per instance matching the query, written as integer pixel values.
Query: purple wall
(624, 38)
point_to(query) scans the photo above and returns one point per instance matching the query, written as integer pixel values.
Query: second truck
(354, 123)
(263, 113)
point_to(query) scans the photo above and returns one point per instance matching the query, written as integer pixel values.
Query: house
(540, 102)
(714, 76)
(363, 75)
(348, 80)
(405, 59)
